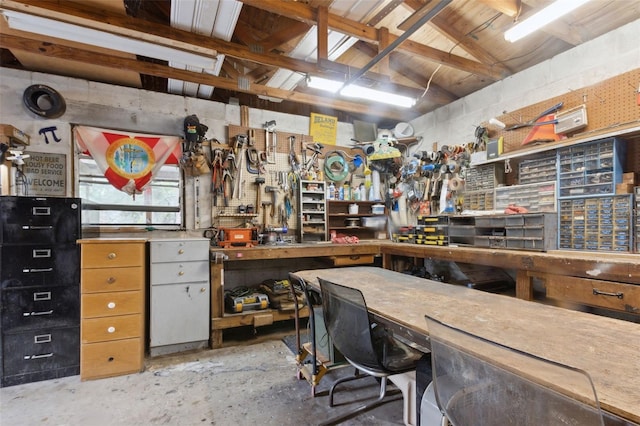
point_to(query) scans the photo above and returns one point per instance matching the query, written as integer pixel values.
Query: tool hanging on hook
(270, 140)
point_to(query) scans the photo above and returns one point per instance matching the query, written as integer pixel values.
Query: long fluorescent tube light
(359, 92)
(51, 28)
(538, 20)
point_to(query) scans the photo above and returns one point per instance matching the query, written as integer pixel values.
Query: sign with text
(323, 128)
(46, 174)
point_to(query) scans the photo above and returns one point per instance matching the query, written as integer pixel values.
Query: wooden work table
(567, 275)
(608, 349)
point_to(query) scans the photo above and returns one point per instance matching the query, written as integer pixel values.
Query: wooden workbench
(608, 349)
(568, 275)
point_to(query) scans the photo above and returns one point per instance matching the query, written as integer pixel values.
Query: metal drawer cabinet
(39, 291)
(180, 295)
(46, 353)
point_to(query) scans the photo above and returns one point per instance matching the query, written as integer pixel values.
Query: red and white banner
(129, 161)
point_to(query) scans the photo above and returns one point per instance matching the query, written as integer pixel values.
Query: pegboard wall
(610, 103)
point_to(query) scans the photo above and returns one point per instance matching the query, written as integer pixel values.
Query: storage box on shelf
(535, 197)
(480, 183)
(591, 217)
(596, 223)
(40, 296)
(519, 231)
(179, 295)
(312, 211)
(366, 220)
(112, 307)
(538, 169)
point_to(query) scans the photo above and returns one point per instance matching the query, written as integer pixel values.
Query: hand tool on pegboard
(241, 147)
(271, 141)
(534, 121)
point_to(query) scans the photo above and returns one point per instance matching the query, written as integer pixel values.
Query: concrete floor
(251, 381)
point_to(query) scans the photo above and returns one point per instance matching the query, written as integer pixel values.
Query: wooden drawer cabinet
(112, 307)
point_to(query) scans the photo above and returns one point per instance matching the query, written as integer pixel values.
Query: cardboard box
(11, 135)
(629, 177)
(624, 188)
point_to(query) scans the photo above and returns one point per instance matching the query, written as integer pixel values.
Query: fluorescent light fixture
(51, 28)
(359, 92)
(538, 20)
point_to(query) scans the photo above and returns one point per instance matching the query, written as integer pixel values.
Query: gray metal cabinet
(179, 295)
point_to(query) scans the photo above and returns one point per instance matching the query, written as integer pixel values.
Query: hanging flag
(129, 161)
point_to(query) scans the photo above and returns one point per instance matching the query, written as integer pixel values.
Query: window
(103, 205)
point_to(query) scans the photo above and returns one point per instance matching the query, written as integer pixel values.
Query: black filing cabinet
(40, 286)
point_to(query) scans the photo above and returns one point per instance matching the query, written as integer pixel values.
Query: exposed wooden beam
(84, 56)
(299, 11)
(78, 13)
(467, 43)
(279, 38)
(323, 33)
(383, 42)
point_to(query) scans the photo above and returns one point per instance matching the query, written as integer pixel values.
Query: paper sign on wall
(323, 128)
(46, 174)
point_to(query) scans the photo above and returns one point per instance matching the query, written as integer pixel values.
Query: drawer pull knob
(203, 289)
(110, 359)
(180, 251)
(111, 280)
(112, 256)
(181, 273)
(111, 305)
(111, 329)
(617, 294)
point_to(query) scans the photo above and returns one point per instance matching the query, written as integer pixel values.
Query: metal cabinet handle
(49, 355)
(617, 294)
(38, 270)
(112, 255)
(180, 251)
(35, 314)
(111, 329)
(111, 305)
(203, 289)
(181, 273)
(43, 338)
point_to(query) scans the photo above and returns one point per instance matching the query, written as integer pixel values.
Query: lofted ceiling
(263, 51)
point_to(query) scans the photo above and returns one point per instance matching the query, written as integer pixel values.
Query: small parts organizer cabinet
(180, 295)
(312, 208)
(39, 273)
(112, 307)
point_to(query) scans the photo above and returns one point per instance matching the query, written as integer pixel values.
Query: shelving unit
(480, 184)
(312, 210)
(540, 169)
(339, 218)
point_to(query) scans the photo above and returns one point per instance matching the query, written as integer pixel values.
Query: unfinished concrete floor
(251, 383)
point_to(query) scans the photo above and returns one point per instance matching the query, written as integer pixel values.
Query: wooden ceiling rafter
(159, 70)
(469, 45)
(365, 32)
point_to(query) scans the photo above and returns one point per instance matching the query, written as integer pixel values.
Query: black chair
(369, 347)
(480, 382)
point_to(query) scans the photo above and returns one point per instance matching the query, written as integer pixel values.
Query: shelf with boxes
(535, 197)
(365, 219)
(312, 210)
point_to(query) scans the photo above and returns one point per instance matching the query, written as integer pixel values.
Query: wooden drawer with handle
(112, 255)
(603, 294)
(112, 279)
(106, 359)
(354, 259)
(110, 304)
(111, 328)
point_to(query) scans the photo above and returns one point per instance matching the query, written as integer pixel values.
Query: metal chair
(480, 382)
(367, 346)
